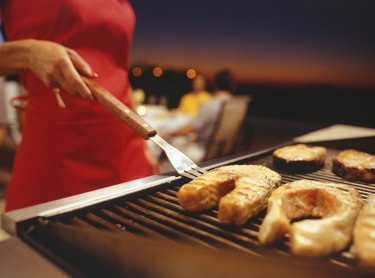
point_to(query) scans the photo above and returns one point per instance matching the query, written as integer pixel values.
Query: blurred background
(305, 64)
(311, 61)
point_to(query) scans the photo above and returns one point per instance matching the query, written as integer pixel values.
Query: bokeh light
(141, 110)
(137, 71)
(157, 71)
(191, 73)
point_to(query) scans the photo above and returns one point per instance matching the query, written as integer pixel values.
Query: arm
(183, 131)
(55, 65)
(198, 123)
(13, 57)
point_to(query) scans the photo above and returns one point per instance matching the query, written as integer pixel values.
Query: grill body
(152, 210)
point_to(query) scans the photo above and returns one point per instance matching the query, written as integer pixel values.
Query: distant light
(191, 73)
(138, 96)
(141, 110)
(137, 71)
(157, 71)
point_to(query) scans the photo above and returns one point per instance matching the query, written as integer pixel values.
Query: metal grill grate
(156, 213)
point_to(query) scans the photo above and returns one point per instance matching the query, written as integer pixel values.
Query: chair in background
(228, 127)
(10, 131)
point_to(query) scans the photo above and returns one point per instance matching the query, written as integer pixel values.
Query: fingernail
(95, 75)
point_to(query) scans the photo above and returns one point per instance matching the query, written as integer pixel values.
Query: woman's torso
(82, 147)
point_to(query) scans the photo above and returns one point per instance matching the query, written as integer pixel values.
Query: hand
(167, 135)
(59, 67)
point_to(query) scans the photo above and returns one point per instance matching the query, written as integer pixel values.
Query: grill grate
(156, 213)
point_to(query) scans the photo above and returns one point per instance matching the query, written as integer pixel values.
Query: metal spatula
(183, 164)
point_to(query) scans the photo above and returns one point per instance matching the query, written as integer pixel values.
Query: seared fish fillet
(354, 165)
(299, 158)
(364, 233)
(250, 186)
(336, 204)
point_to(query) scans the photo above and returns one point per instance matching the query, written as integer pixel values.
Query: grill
(155, 213)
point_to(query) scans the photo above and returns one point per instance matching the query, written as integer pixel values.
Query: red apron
(83, 147)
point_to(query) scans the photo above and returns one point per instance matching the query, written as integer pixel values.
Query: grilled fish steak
(240, 190)
(299, 158)
(364, 234)
(336, 204)
(354, 165)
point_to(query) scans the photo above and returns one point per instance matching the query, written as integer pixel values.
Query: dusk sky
(278, 41)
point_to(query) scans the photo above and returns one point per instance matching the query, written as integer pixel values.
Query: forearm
(14, 57)
(183, 131)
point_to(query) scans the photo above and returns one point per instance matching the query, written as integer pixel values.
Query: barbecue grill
(148, 208)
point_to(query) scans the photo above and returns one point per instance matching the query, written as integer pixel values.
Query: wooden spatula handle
(119, 109)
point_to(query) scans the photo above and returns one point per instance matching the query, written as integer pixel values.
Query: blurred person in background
(83, 147)
(3, 120)
(8, 145)
(192, 101)
(204, 123)
(2, 104)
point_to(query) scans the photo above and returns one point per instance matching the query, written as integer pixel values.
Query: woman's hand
(59, 67)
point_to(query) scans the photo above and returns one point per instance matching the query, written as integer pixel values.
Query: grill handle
(120, 110)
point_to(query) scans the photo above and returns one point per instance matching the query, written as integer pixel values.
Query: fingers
(59, 82)
(60, 67)
(60, 101)
(72, 81)
(81, 65)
